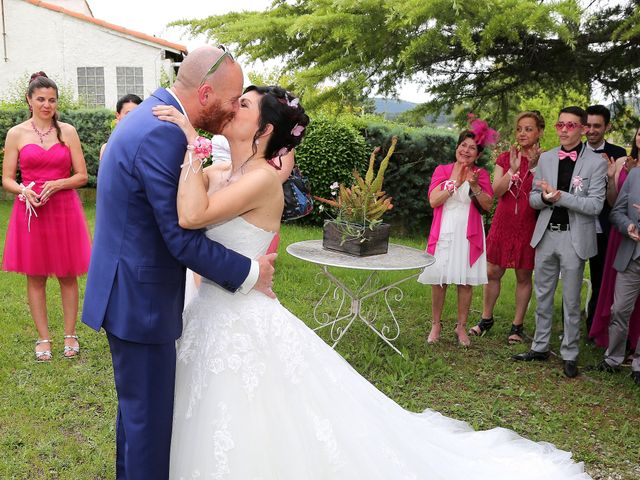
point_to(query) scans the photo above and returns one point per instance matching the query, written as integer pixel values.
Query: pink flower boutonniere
(576, 183)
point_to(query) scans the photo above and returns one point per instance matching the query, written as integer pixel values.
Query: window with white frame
(91, 85)
(129, 80)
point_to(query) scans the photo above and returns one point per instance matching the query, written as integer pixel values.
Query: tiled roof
(111, 26)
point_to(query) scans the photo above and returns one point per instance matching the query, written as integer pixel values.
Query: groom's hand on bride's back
(265, 279)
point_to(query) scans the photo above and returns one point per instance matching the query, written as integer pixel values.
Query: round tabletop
(398, 257)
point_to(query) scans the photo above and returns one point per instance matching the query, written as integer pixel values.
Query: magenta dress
(56, 242)
(508, 242)
(602, 316)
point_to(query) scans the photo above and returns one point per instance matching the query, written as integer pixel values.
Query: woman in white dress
(260, 396)
(459, 192)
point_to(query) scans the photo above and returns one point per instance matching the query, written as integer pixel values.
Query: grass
(57, 419)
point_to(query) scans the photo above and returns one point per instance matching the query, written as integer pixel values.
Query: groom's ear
(204, 93)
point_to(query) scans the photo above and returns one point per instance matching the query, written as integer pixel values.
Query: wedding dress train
(259, 396)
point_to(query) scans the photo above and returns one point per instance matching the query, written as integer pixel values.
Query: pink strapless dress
(57, 241)
(602, 316)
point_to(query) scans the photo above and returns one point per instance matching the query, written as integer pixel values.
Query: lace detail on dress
(325, 434)
(222, 442)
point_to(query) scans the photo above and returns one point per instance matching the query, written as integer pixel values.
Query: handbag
(298, 201)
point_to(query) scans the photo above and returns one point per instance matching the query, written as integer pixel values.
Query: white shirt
(599, 147)
(254, 271)
(220, 149)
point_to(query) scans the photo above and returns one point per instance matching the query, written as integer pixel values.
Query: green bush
(331, 150)
(93, 126)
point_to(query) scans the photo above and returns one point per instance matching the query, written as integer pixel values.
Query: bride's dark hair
(283, 111)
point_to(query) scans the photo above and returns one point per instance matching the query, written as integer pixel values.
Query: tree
(463, 51)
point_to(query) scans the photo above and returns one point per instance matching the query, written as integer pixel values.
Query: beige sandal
(44, 355)
(68, 349)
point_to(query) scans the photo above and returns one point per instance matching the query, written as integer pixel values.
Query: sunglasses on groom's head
(217, 63)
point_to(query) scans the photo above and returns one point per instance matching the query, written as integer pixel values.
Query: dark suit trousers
(145, 379)
(596, 267)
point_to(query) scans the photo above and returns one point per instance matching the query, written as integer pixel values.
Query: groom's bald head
(210, 98)
(194, 67)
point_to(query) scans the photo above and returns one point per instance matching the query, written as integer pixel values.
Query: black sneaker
(530, 356)
(636, 377)
(570, 368)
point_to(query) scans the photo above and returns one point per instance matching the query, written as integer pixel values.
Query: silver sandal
(40, 356)
(68, 349)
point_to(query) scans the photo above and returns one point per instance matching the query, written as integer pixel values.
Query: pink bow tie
(572, 155)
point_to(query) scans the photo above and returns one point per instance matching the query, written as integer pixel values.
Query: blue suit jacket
(135, 285)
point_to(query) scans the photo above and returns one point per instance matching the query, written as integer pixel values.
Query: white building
(97, 60)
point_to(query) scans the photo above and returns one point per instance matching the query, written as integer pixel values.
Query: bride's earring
(257, 142)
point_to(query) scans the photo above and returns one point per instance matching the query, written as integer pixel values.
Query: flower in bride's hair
(283, 151)
(293, 103)
(297, 130)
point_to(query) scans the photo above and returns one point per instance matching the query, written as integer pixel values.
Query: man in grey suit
(625, 216)
(569, 190)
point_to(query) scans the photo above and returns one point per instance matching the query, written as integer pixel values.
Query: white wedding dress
(259, 396)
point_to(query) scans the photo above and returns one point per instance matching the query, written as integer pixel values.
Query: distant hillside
(391, 108)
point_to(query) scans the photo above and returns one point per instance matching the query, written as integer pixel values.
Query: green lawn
(57, 419)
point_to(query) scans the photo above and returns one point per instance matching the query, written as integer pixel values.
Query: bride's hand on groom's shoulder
(265, 279)
(169, 113)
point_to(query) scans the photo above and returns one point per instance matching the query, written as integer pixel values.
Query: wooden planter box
(372, 242)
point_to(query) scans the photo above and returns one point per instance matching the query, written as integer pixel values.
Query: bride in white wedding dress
(259, 396)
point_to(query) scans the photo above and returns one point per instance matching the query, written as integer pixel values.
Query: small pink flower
(283, 151)
(297, 130)
(334, 188)
(293, 103)
(576, 183)
(201, 148)
(515, 179)
(449, 186)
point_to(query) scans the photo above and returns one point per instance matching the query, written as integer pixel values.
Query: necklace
(40, 134)
(234, 173)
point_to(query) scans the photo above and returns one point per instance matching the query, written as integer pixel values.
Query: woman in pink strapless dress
(47, 233)
(602, 316)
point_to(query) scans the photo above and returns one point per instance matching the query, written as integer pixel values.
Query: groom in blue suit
(136, 280)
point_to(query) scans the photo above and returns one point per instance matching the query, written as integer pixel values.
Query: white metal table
(348, 302)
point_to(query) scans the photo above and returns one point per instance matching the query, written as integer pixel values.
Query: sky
(152, 16)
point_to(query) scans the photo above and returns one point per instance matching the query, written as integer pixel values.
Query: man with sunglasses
(569, 190)
(136, 281)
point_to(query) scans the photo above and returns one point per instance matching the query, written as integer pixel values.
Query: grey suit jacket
(624, 214)
(584, 203)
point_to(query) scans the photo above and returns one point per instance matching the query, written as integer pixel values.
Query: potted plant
(357, 228)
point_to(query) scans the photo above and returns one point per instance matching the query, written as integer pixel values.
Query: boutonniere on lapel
(576, 183)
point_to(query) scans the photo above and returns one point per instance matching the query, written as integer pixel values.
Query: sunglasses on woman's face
(217, 63)
(568, 125)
